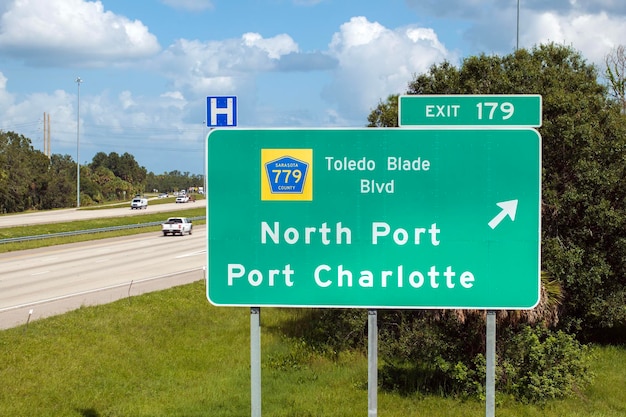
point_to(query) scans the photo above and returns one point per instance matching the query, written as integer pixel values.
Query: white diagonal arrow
(508, 209)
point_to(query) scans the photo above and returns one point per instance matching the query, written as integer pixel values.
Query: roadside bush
(432, 352)
(331, 331)
(443, 353)
(536, 364)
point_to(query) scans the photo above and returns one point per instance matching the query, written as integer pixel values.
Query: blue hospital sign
(221, 111)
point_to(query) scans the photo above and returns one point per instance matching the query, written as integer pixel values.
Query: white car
(139, 203)
(182, 199)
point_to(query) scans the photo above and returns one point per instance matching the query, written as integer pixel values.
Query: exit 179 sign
(374, 218)
(494, 110)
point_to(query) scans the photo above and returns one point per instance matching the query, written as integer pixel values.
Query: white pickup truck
(177, 226)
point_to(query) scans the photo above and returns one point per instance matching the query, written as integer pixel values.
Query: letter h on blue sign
(221, 111)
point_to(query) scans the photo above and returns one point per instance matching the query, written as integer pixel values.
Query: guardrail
(87, 231)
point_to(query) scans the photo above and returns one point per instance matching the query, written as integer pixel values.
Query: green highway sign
(470, 110)
(374, 218)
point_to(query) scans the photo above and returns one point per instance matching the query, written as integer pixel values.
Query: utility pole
(78, 81)
(46, 135)
(49, 139)
(517, 39)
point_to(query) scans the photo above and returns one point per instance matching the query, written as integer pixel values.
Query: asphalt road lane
(68, 215)
(90, 272)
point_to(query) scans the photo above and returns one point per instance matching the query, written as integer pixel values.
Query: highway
(42, 282)
(68, 215)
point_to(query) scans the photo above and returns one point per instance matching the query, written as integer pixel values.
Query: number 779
(285, 175)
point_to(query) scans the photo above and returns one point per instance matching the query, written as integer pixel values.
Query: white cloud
(366, 62)
(176, 95)
(275, 47)
(359, 31)
(127, 123)
(277, 83)
(18, 116)
(208, 66)
(72, 32)
(593, 35)
(190, 5)
(577, 6)
(126, 99)
(375, 61)
(223, 66)
(592, 27)
(6, 98)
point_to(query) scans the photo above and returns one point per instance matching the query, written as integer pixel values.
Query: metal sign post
(372, 363)
(490, 380)
(255, 361)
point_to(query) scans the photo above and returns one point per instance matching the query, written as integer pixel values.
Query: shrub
(536, 364)
(440, 353)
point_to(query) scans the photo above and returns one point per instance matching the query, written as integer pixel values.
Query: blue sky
(147, 66)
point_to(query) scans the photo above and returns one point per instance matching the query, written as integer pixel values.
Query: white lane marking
(186, 255)
(94, 290)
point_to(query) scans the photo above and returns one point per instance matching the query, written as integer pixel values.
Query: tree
(583, 233)
(615, 73)
(23, 173)
(584, 143)
(123, 167)
(61, 190)
(173, 181)
(100, 159)
(109, 186)
(30, 180)
(130, 171)
(385, 114)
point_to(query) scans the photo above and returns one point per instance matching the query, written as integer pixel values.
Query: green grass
(43, 229)
(171, 353)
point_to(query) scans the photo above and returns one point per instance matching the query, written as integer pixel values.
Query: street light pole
(517, 38)
(78, 81)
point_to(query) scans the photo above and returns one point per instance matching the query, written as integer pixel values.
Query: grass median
(171, 353)
(44, 229)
